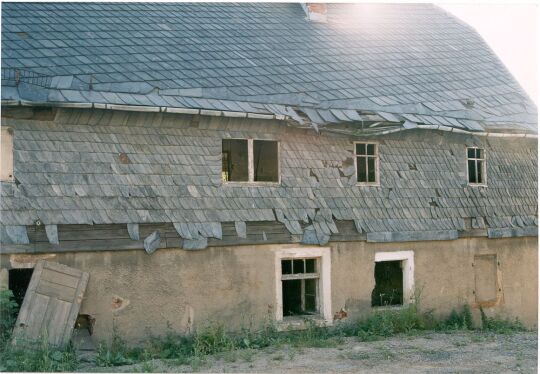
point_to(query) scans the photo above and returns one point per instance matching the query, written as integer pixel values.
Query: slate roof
(409, 63)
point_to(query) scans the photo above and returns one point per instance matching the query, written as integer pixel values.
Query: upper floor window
(250, 160)
(476, 165)
(367, 163)
(6, 154)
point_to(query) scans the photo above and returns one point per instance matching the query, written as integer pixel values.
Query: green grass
(214, 339)
(38, 358)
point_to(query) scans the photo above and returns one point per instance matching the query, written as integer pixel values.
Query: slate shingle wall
(69, 172)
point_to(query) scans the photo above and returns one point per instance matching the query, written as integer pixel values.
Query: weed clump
(40, 357)
(458, 320)
(499, 325)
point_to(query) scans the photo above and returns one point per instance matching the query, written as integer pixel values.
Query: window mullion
(367, 168)
(303, 294)
(251, 171)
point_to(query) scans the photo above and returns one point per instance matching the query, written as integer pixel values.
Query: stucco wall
(141, 294)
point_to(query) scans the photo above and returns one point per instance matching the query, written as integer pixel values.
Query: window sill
(389, 307)
(476, 185)
(301, 322)
(251, 184)
(359, 184)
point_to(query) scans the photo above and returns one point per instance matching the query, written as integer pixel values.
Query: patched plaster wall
(141, 294)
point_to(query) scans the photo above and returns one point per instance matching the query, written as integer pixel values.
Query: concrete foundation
(141, 295)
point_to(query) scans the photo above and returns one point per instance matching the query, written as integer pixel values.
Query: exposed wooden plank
(409, 236)
(60, 278)
(57, 291)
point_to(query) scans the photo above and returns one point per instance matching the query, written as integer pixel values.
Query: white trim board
(325, 289)
(408, 270)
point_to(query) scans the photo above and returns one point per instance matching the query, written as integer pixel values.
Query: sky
(511, 30)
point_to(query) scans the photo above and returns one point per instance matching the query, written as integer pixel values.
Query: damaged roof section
(364, 60)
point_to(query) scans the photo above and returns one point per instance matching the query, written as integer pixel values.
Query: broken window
(18, 282)
(367, 163)
(388, 284)
(476, 165)
(235, 160)
(6, 154)
(248, 160)
(265, 161)
(300, 284)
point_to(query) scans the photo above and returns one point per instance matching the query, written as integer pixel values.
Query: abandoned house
(182, 164)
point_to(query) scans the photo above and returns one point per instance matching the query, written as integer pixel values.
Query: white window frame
(377, 164)
(484, 169)
(6, 154)
(324, 301)
(251, 166)
(407, 259)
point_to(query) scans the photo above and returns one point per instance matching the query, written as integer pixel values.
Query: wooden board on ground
(51, 304)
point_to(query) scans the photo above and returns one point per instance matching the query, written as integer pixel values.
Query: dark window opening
(299, 284)
(246, 160)
(366, 162)
(476, 165)
(85, 322)
(235, 160)
(19, 279)
(265, 161)
(388, 284)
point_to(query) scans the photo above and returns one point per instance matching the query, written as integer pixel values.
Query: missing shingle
(44, 113)
(468, 103)
(22, 34)
(124, 158)
(312, 174)
(433, 204)
(412, 167)
(437, 192)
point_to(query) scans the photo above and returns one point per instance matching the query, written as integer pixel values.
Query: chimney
(315, 12)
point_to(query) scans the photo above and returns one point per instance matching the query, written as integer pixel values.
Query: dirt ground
(459, 352)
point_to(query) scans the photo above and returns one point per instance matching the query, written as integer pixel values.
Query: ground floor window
(303, 283)
(300, 283)
(394, 278)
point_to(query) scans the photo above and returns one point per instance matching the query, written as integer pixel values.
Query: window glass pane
(371, 149)
(310, 295)
(371, 169)
(286, 267)
(472, 171)
(292, 297)
(361, 169)
(360, 149)
(479, 171)
(471, 152)
(234, 160)
(310, 265)
(298, 267)
(479, 153)
(265, 161)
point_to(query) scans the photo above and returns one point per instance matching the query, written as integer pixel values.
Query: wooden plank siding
(76, 238)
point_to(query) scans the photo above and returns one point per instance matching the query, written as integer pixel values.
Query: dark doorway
(388, 284)
(19, 279)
